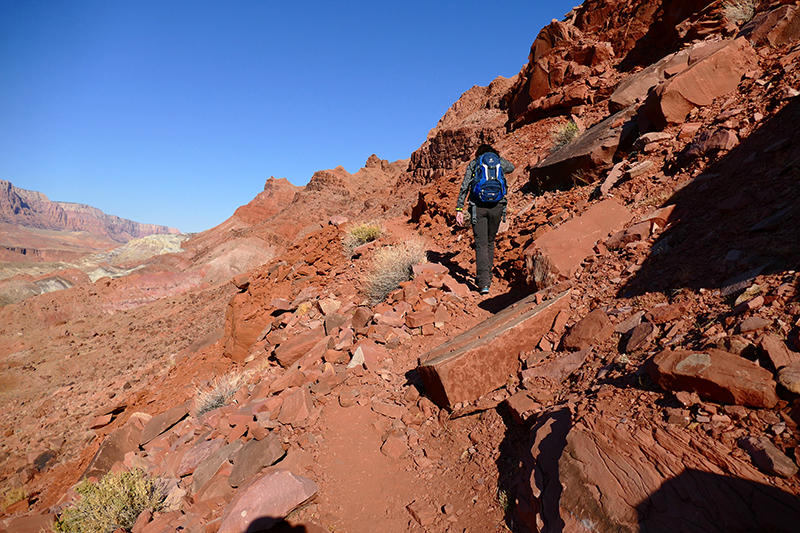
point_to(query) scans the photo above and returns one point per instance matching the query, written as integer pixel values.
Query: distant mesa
(33, 209)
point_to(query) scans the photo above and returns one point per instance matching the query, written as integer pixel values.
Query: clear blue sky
(175, 112)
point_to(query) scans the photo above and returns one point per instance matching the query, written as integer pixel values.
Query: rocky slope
(635, 367)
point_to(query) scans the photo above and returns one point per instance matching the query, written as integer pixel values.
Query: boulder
(253, 457)
(627, 478)
(697, 86)
(160, 423)
(583, 160)
(482, 359)
(116, 444)
(265, 501)
(767, 457)
(775, 27)
(592, 329)
(297, 346)
(715, 375)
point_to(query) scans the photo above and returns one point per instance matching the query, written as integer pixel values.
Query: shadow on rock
(738, 219)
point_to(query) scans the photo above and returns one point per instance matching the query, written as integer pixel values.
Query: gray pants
(485, 223)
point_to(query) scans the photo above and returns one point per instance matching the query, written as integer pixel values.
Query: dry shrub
(112, 503)
(218, 393)
(564, 135)
(10, 496)
(360, 234)
(391, 266)
(739, 11)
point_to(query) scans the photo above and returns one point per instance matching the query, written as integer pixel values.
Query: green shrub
(564, 135)
(391, 266)
(218, 393)
(114, 502)
(739, 11)
(360, 234)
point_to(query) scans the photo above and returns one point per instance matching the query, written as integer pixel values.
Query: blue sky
(176, 112)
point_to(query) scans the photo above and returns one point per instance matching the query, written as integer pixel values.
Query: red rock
(595, 328)
(362, 317)
(371, 353)
(557, 370)
(281, 304)
(716, 376)
(665, 313)
(101, 421)
(637, 232)
(789, 377)
(388, 409)
(265, 501)
(753, 323)
(522, 407)
(460, 289)
(253, 457)
(768, 457)
(698, 85)
(642, 337)
(777, 351)
(481, 359)
(622, 477)
(420, 318)
(559, 253)
(206, 469)
(113, 449)
(424, 513)
(160, 423)
(28, 524)
(394, 447)
(294, 348)
(775, 27)
(296, 407)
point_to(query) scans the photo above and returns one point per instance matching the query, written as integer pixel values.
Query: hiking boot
(484, 290)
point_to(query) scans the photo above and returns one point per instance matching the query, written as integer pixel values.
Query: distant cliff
(35, 210)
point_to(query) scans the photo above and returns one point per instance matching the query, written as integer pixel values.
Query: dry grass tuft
(218, 393)
(391, 266)
(360, 234)
(564, 135)
(112, 503)
(739, 11)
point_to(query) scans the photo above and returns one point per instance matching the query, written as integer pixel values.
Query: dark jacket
(469, 177)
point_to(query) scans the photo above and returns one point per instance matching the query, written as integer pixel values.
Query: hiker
(485, 184)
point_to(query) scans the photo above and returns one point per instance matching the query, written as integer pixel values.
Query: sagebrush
(739, 11)
(355, 236)
(218, 393)
(112, 503)
(393, 265)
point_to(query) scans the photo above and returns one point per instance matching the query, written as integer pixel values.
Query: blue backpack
(489, 183)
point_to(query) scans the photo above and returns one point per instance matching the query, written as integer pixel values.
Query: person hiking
(485, 186)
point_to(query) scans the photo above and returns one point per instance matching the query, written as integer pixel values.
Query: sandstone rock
(197, 454)
(768, 457)
(626, 326)
(210, 465)
(297, 346)
(716, 376)
(394, 446)
(296, 407)
(753, 323)
(593, 329)
(253, 457)
(709, 142)
(424, 513)
(585, 158)
(775, 27)
(116, 444)
(522, 407)
(697, 86)
(28, 524)
(635, 233)
(371, 353)
(265, 501)
(481, 359)
(642, 337)
(626, 478)
(559, 253)
(789, 377)
(777, 351)
(665, 313)
(160, 423)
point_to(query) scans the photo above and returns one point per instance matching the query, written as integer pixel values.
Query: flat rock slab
(768, 457)
(114, 447)
(716, 375)
(265, 501)
(297, 346)
(698, 85)
(480, 360)
(160, 423)
(625, 478)
(253, 457)
(558, 253)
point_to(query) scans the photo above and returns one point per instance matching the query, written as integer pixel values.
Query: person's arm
(464, 192)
